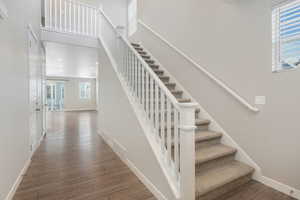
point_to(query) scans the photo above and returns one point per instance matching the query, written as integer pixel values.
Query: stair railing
(173, 123)
(68, 16)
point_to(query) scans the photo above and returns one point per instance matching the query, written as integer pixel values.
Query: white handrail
(207, 73)
(170, 125)
(154, 76)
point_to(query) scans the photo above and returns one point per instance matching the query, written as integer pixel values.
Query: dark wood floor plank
(74, 163)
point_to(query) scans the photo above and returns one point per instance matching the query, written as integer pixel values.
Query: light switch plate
(3, 10)
(260, 100)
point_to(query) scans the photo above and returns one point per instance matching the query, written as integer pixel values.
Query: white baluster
(55, 14)
(46, 11)
(151, 102)
(82, 20)
(70, 16)
(147, 94)
(74, 17)
(91, 31)
(65, 15)
(143, 87)
(136, 77)
(60, 15)
(176, 143)
(89, 21)
(169, 131)
(78, 18)
(96, 23)
(162, 120)
(51, 13)
(157, 110)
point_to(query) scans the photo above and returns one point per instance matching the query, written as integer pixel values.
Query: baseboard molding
(15, 186)
(80, 109)
(18, 181)
(115, 146)
(141, 117)
(288, 190)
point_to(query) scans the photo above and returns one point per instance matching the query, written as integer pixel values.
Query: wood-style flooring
(74, 163)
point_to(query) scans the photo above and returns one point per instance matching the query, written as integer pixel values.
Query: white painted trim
(3, 10)
(144, 123)
(288, 190)
(38, 144)
(18, 181)
(65, 78)
(15, 186)
(67, 33)
(34, 35)
(80, 109)
(117, 148)
(207, 73)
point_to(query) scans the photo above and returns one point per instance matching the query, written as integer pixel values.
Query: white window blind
(286, 36)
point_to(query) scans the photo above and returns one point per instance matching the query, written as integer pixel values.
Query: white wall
(232, 39)
(72, 100)
(14, 115)
(118, 121)
(116, 10)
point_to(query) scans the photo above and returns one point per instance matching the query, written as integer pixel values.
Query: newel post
(187, 151)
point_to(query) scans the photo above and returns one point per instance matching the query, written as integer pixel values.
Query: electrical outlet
(260, 100)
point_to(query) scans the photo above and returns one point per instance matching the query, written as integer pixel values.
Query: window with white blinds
(286, 36)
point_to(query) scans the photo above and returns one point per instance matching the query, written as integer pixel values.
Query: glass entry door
(55, 95)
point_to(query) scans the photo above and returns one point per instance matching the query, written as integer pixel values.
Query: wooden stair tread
(183, 100)
(202, 122)
(220, 175)
(213, 152)
(135, 44)
(174, 91)
(216, 170)
(201, 136)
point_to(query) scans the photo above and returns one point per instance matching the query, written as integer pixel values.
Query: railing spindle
(169, 130)
(65, 16)
(60, 15)
(176, 143)
(162, 116)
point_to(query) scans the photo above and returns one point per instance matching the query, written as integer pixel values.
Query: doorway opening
(55, 95)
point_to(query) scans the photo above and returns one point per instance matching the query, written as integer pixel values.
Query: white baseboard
(115, 146)
(80, 109)
(18, 181)
(288, 190)
(24, 170)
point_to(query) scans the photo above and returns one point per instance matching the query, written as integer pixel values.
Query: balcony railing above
(70, 17)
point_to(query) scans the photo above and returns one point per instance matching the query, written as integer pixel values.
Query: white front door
(35, 91)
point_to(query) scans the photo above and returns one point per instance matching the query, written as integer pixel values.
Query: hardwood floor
(73, 162)
(257, 191)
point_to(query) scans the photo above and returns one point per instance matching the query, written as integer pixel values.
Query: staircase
(193, 159)
(217, 172)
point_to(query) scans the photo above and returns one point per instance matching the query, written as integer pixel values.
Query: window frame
(87, 90)
(277, 40)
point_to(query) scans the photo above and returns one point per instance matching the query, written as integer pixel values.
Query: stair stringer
(147, 129)
(241, 154)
